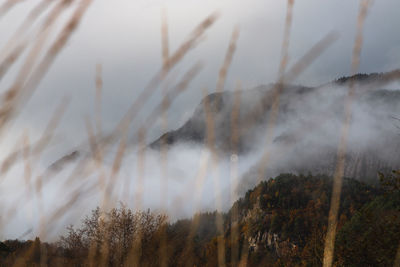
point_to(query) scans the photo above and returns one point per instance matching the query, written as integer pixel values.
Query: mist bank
(191, 176)
(307, 129)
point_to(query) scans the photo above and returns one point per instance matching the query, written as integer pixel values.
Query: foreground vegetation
(281, 222)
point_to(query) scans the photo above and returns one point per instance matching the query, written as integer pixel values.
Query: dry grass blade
(155, 82)
(17, 50)
(198, 184)
(30, 86)
(116, 166)
(164, 151)
(228, 60)
(389, 77)
(26, 24)
(99, 91)
(133, 257)
(210, 124)
(234, 174)
(96, 152)
(397, 259)
(339, 171)
(98, 159)
(57, 46)
(52, 125)
(21, 91)
(192, 40)
(9, 161)
(277, 90)
(286, 39)
(77, 195)
(39, 44)
(154, 115)
(96, 148)
(164, 40)
(152, 118)
(7, 6)
(201, 175)
(172, 95)
(148, 91)
(140, 167)
(165, 104)
(11, 58)
(42, 143)
(299, 67)
(27, 164)
(315, 52)
(210, 141)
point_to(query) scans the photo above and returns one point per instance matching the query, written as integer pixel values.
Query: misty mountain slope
(307, 129)
(221, 105)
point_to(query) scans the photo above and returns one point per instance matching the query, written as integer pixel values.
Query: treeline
(281, 222)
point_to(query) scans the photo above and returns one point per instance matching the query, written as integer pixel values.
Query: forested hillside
(280, 222)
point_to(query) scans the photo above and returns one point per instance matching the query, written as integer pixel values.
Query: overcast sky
(124, 36)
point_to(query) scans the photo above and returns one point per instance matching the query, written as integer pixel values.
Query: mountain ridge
(304, 112)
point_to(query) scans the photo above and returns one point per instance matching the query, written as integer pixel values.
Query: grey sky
(124, 36)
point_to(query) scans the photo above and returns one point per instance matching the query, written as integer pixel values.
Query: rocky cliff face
(307, 127)
(284, 219)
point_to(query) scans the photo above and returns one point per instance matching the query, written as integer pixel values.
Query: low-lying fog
(192, 178)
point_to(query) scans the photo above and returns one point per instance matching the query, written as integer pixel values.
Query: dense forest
(280, 222)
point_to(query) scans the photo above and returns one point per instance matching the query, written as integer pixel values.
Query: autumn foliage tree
(109, 238)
